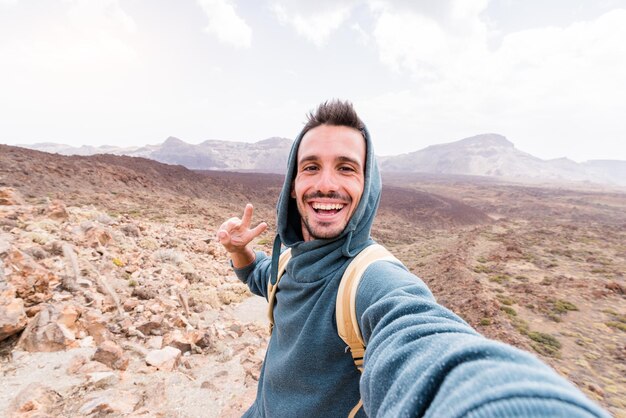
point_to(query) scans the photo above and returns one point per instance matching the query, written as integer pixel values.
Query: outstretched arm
(423, 360)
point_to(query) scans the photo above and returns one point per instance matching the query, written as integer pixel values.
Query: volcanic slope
(541, 268)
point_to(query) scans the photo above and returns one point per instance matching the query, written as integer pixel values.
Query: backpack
(345, 307)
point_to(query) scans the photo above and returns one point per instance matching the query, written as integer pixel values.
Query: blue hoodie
(421, 359)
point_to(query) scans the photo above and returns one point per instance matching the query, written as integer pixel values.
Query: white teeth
(328, 206)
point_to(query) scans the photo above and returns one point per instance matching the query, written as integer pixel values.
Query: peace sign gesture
(235, 235)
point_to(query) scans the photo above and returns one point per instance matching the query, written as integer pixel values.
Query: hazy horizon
(551, 78)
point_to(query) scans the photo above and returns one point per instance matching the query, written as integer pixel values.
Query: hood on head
(357, 231)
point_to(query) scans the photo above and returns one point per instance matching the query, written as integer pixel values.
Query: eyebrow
(341, 158)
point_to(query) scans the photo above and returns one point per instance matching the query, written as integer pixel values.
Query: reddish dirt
(541, 267)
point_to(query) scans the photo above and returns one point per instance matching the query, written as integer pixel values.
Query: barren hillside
(114, 298)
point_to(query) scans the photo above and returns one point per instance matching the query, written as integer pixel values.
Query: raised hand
(235, 234)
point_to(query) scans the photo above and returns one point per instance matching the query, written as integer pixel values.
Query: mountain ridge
(489, 154)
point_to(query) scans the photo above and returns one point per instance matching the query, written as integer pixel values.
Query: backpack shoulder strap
(345, 309)
(285, 256)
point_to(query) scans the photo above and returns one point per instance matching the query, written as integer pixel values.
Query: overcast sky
(548, 75)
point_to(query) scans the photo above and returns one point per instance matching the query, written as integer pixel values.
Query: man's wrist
(242, 259)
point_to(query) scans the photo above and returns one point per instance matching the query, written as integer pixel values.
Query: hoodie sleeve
(256, 275)
(423, 360)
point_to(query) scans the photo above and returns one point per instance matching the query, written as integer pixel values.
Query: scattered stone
(208, 385)
(150, 328)
(36, 400)
(37, 253)
(99, 404)
(69, 316)
(155, 342)
(616, 288)
(96, 236)
(45, 333)
(165, 359)
(13, 317)
(130, 230)
(130, 304)
(183, 341)
(56, 210)
(54, 247)
(32, 282)
(77, 362)
(102, 380)
(95, 325)
(9, 197)
(144, 293)
(112, 355)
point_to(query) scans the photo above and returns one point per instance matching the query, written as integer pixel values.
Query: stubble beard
(317, 232)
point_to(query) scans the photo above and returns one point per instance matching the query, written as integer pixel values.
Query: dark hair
(336, 113)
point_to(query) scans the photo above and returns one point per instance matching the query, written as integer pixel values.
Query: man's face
(329, 180)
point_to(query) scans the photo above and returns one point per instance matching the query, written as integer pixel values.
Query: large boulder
(47, 332)
(112, 355)
(13, 317)
(32, 282)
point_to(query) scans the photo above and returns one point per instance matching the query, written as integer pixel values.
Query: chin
(324, 233)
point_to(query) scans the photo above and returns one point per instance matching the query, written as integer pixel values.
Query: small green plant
(485, 321)
(264, 241)
(505, 300)
(522, 279)
(508, 310)
(562, 306)
(132, 283)
(499, 278)
(616, 324)
(481, 259)
(481, 269)
(118, 262)
(544, 343)
(520, 325)
(554, 317)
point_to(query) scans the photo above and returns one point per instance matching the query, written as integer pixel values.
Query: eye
(346, 168)
(310, 167)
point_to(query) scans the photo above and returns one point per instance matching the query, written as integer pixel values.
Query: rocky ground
(547, 275)
(115, 315)
(116, 301)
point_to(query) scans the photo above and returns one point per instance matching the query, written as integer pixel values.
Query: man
(421, 359)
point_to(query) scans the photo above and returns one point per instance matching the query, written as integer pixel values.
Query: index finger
(247, 216)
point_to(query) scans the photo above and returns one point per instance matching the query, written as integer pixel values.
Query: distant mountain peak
(487, 139)
(173, 141)
(274, 141)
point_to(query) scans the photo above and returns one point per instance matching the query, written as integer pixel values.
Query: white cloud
(87, 36)
(316, 24)
(99, 15)
(362, 36)
(537, 85)
(430, 39)
(226, 24)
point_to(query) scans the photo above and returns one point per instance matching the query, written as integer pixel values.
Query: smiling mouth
(327, 208)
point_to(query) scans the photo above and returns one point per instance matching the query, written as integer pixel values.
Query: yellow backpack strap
(285, 256)
(345, 309)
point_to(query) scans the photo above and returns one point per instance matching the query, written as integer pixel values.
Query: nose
(327, 181)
